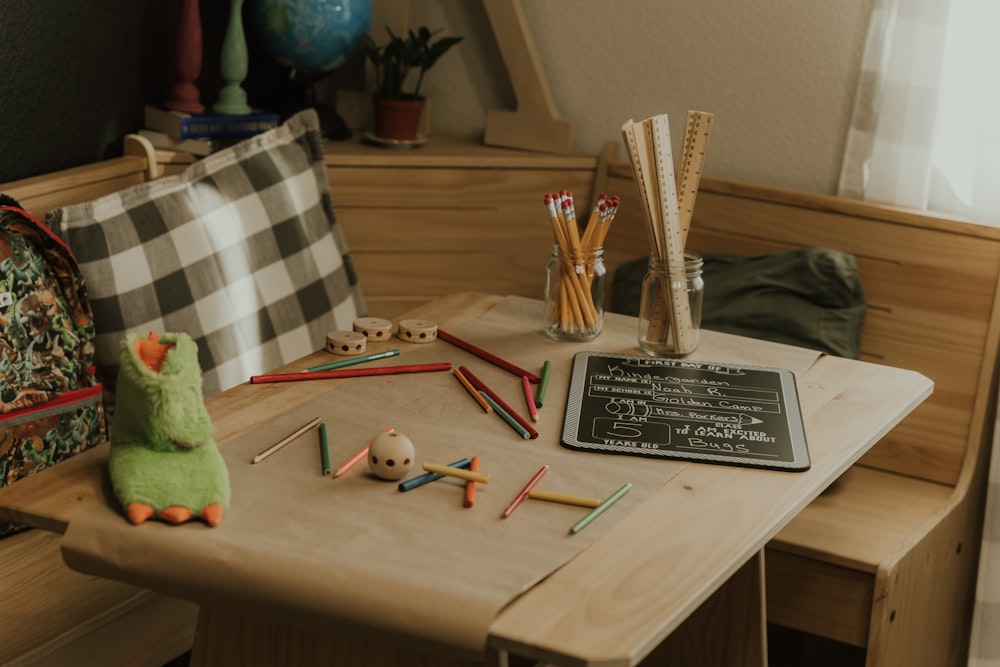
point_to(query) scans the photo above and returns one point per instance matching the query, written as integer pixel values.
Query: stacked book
(200, 134)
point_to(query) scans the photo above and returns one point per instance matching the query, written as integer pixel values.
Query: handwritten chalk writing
(705, 411)
(723, 446)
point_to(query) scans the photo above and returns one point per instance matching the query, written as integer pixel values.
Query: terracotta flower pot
(398, 119)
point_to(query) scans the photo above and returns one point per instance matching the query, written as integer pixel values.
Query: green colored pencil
(597, 511)
(543, 384)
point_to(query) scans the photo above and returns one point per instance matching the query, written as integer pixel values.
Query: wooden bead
(346, 342)
(417, 331)
(373, 328)
(390, 455)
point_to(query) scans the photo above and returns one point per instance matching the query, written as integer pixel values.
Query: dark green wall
(75, 74)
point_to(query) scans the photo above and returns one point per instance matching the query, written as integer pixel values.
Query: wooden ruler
(649, 148)
(697, 127)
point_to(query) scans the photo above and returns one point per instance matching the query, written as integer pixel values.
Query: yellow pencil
(564, 498)
(467, 475)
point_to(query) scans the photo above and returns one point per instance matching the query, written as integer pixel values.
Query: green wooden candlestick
(233, 65)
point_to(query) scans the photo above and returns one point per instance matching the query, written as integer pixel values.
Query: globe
(312, 36)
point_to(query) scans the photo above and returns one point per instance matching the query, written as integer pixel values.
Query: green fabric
(810, 297)
(155, 411)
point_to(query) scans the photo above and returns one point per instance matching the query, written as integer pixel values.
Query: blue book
(180, 125)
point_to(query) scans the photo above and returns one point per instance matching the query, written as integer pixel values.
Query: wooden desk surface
(618, 599)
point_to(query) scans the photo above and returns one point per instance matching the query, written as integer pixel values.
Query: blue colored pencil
(428, 477)
(514, 424)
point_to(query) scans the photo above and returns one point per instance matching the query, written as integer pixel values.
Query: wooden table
(679, 576)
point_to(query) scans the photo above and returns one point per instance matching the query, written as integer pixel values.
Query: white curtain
(926, 127)
(926, 135)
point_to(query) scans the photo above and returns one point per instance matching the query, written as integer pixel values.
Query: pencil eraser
(390, 455)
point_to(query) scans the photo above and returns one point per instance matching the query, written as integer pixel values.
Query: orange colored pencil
(358, 457)
(472, 390)
(470, 486)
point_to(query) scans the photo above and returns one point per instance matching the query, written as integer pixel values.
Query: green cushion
(810, 297)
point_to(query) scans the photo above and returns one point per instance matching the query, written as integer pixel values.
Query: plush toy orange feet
(163, 461)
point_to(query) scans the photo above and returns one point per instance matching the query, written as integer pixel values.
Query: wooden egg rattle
(390, 455)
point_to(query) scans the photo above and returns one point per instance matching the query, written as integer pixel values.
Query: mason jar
(574, 295)
(670, 308)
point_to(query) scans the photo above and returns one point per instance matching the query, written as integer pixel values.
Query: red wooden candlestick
(184, 95)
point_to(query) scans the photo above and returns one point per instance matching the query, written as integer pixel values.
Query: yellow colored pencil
(467, 475)
(564, 498)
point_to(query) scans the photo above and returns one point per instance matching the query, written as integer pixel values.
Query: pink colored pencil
(519, 498)
(529, 399)
(482, 386)
(483, 354)
(350, 373)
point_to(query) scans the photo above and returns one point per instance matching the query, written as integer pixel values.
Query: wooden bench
(52, 615)
(886, 559)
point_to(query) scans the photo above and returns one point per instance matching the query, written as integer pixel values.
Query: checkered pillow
(242, 252)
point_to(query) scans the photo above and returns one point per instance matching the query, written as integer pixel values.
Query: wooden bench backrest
(931, 284)
(40, 194)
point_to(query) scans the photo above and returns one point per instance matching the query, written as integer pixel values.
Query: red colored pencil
(519, 498)
(350, 373)
(483, 354)
(529, 400)
(482, 386)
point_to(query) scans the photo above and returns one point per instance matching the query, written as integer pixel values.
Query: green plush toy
(164, 462)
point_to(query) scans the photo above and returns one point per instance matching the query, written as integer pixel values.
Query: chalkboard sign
(679, 409)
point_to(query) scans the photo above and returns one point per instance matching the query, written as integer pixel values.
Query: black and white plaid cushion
(242, 252)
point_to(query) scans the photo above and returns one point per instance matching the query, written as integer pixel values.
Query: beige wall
(779, 75)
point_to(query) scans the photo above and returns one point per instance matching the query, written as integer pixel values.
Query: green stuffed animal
(163, 461)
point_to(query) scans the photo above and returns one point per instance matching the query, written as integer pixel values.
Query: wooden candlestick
(184, 94)
(233, 65)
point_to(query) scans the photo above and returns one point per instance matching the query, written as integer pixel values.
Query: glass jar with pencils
(574, 294)
(670, 308)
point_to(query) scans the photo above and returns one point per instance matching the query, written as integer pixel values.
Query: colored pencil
(504, 415)
(287, 439)
(487, 356)
(350, 373)
(519, 498)
(543, 384)
(428, 477)
(564, 498)
(483, 387)
(529, 400)
(324, 448)
(357, 458)
(350, 362)
(469, 499)
(472, 390)
(461, 473)
(600, 509)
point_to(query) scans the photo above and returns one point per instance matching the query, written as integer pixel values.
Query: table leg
(225, 638)
(730, 628)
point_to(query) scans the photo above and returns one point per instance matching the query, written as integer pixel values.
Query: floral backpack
(50, 398)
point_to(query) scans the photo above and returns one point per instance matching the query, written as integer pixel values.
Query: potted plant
(397, 108)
